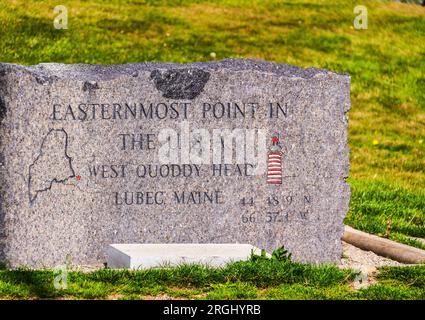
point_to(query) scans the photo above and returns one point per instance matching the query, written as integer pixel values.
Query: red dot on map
(78, 178)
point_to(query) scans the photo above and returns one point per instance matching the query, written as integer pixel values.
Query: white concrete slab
(139, 256)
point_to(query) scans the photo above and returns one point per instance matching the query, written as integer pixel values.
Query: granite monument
(232, 151)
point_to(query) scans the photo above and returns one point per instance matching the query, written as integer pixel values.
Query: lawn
(386, 63)
(386, 129)
(241, 280)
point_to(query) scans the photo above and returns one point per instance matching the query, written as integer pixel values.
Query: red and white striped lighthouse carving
(274, 163)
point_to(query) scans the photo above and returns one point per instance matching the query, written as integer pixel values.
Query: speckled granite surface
(92, 155)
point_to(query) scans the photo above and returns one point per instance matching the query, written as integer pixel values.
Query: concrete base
(139, 256)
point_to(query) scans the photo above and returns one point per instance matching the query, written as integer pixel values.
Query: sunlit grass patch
(265, 279)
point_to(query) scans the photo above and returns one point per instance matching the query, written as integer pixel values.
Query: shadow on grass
(29, 283)
(24, 283)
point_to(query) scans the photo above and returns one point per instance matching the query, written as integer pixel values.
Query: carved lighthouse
(274, 162)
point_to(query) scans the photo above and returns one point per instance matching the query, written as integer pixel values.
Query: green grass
(386, 63)
(241, 280)
(386, 130)
(396, 283)
(388, 211)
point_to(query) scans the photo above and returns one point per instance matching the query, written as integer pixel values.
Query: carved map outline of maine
(52, 165)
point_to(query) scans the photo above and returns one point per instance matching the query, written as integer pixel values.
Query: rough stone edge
(3, 114)
(346, 107)
(101, 72)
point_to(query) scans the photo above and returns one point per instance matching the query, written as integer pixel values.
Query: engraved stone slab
(233, 151)
(138, 256)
